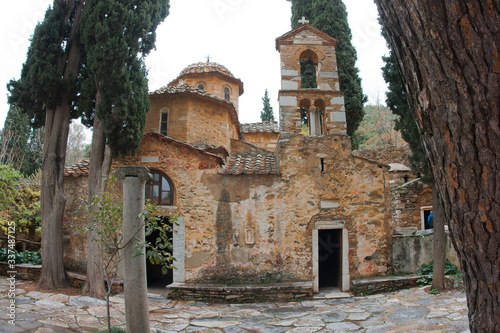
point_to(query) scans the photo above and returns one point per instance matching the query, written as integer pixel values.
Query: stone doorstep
(240, 293)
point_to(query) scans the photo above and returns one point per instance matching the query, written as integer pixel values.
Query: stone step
(292, 291)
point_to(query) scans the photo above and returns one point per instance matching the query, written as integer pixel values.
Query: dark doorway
(330, 258)
(155, 277)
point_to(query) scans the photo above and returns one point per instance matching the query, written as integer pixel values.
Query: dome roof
(206, 67)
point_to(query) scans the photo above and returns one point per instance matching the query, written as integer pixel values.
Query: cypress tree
(330, 16)
(85, 59)
(21, 145)
(267, 112)
(397, 102)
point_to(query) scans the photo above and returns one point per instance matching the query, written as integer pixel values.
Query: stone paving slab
(406, 311)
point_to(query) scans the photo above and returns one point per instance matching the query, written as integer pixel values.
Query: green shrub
(28, 257)
(428, 269)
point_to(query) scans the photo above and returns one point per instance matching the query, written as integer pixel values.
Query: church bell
(309, 70)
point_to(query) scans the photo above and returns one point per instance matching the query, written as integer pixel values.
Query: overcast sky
(239, 34)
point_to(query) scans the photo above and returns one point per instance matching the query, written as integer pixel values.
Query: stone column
(135, 282)
(313, 120)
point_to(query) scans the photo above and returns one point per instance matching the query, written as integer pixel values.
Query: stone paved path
(407, 311)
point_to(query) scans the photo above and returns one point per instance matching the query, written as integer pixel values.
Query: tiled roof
(77, 170)
(206, 67)
(259, 164)
(186, 89)
(266, 126)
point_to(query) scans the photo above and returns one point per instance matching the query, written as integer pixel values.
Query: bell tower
(310, 100)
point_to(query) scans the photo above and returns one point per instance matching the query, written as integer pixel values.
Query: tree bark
(439, 241)
(448, 54)
(94, 285)
(52, 196)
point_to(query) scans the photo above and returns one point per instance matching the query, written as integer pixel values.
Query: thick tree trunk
(439, 241)
(54, 155)
(52, 198)
(94, 285)
(448, 53)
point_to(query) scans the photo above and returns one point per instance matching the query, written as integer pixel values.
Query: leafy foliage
(104, 216)
(330, 16)
(267, 112)
(428, 269)
(19, 202)
(27, 257)
(116, 36)
(41, 81)
(20, 145)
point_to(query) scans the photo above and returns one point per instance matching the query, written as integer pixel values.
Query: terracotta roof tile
(266, 126)
(259, 164)
(186, 89)
(206, 67)
(77, 170)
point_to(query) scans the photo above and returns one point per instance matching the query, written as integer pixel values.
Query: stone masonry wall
(74, 240)
(268, 141)
(208, 124)
(407, 201)
(177, 109)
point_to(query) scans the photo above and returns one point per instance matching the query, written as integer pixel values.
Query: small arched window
(160, 190)
(227, 94)
(201, 87)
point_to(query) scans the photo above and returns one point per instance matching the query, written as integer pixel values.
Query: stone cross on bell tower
(303, 20)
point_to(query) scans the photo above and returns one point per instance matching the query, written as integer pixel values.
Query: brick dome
(206, 67)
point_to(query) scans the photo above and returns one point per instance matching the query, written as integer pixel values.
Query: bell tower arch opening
(308, 70)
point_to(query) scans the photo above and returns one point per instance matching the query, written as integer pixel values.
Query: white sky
(239, 34)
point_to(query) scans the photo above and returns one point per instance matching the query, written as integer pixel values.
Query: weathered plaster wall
(410, 252)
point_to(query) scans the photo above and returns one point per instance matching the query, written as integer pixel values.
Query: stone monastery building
(261, 203)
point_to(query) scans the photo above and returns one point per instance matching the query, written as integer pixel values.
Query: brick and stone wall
(74, 239)
(407, 201)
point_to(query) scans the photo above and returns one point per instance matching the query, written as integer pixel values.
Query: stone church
(261, 203)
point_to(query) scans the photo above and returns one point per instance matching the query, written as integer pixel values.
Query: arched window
(160, 190)
(227, 94)
(201, 87)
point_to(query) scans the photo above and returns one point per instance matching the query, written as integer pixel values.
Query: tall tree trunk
(439, 241)
(52, 196)
(448, 53)
(94, 285)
